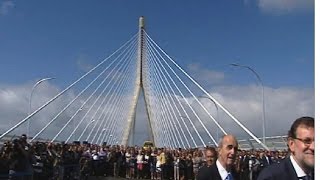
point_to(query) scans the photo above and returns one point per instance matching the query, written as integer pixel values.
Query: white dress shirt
(297, 168)
(222, 171)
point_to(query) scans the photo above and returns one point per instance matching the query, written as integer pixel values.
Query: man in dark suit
(266, 159)
(205, 172)
(300, 164)
(244, 165)
(224, 167)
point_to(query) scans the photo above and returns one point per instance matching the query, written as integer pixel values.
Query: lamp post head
(234, 64)
(44, 79)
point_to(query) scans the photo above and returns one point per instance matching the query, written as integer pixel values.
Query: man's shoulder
(280, 170)
(208, 168)
(208, 173)
(274, 169)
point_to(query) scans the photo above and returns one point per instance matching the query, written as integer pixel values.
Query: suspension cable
(194, 112)
(187, 115)
(100, 106)
(222, 107)
(129, 58)
(176, 118)
(63, 91)
(170, 95)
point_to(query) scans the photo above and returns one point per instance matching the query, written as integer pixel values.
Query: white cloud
(5, 7)
(283, 106)
(204, 75)
(279, 7)
(15, 106)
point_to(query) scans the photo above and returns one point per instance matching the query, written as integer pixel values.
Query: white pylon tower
(139, 87)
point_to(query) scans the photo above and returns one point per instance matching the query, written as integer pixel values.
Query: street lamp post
(74, 123)
(33, 88)
(263, 105)
(217, 109)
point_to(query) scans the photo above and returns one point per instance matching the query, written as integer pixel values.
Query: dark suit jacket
(264, 161)
(212, 173)
(244, 162)
(282, 171)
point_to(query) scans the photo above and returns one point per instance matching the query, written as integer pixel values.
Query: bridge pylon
(139, 87)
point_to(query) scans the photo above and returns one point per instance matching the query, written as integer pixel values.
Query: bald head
(226, 139)
(228, 147)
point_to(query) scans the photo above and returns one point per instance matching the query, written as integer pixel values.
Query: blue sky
(63, 38)
(48, 38)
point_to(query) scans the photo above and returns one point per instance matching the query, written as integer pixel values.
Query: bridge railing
(273, 143)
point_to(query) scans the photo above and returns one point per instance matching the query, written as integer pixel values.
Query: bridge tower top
(141, 22)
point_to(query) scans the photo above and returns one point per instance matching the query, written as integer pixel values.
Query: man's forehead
(231, 145)
(305, 130)
(230, 140)
(209, 152)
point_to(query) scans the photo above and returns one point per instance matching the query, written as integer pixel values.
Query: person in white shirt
(227, 152)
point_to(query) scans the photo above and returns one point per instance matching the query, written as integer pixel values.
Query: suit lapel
(289, 169)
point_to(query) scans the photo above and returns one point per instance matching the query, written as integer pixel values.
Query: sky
(63, 39)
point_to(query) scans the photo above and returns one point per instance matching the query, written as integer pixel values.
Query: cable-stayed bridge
(100, 107)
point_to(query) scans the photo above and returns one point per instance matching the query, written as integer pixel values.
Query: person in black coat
(300, 163)
(266, 159)
(205, 172)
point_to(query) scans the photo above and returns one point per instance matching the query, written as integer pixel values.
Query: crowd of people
(44, 160)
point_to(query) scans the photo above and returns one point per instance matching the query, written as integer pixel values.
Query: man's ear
(219, 151)
(291, 144)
